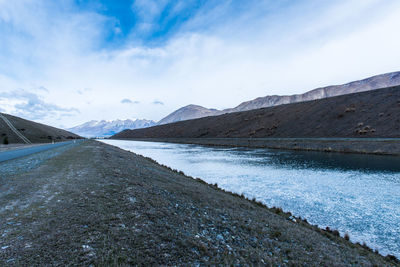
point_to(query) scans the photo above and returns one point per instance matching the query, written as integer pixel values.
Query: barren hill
(189, 112)
(368, 114)
(372, 83)
(368, 84)
(35, 132)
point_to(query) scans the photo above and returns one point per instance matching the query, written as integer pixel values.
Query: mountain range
(372, 83)
(373, 114)
(108, 128)
(105, 128)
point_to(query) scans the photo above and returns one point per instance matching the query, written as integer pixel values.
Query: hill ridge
(367, 84)
(373, 113)
(33, 131)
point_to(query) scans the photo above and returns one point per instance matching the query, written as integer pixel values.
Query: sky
(70, 61)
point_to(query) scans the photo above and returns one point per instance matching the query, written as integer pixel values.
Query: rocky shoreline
(96, 204)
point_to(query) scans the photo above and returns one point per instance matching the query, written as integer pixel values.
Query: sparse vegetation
(350, 109)
(364, 130)
(347, 236)
(5, 140)
(276, 234)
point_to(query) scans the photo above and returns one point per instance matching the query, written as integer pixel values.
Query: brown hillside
(35, 132)
(372, 83)
(367, 114)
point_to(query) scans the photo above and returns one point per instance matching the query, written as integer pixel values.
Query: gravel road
(31, 149)
(94, 204)
(16, 146)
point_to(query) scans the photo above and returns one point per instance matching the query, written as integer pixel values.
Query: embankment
(96, 204)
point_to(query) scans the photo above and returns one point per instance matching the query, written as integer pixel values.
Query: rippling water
(357, 194)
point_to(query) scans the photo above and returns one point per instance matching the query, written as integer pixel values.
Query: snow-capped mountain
(105, 128)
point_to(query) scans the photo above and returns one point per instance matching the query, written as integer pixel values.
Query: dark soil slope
(367, 114)
(35, 132)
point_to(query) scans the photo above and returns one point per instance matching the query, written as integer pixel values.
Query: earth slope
(35, 132)
(368, 114)
(372, 83)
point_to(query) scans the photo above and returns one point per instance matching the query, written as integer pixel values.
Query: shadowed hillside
(376, 82)
(367, 114)
(368, 84)
(35, 132)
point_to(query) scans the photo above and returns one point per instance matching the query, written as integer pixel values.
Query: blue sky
(153, 23)
(70, 61)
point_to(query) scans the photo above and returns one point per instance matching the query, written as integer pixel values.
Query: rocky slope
(372, 83)
(35, 132)
(107, 128)
(368, 114)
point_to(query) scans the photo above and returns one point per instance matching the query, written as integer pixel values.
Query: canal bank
(341, 191)
(377, 146)
(96, 204)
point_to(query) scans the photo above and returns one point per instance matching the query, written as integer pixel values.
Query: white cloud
(147, 13)
(128, 101)
(31, 106)
(158, 102)
(249, 56)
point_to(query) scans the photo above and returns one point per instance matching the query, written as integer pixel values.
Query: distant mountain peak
(105, 128)
(188, 112)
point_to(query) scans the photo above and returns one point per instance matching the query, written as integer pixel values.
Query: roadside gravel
(95, 204)
(27, 163)
(16, 146)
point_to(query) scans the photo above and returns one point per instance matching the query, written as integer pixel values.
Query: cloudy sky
(70, 61)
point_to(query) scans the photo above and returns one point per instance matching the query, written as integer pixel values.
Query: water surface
(357, 194)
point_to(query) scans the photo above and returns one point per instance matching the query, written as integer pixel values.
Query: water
(357, 194)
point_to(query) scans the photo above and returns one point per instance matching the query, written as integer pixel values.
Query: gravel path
(30, 162)
(95, 204)
(23, 152)
(16, 146)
